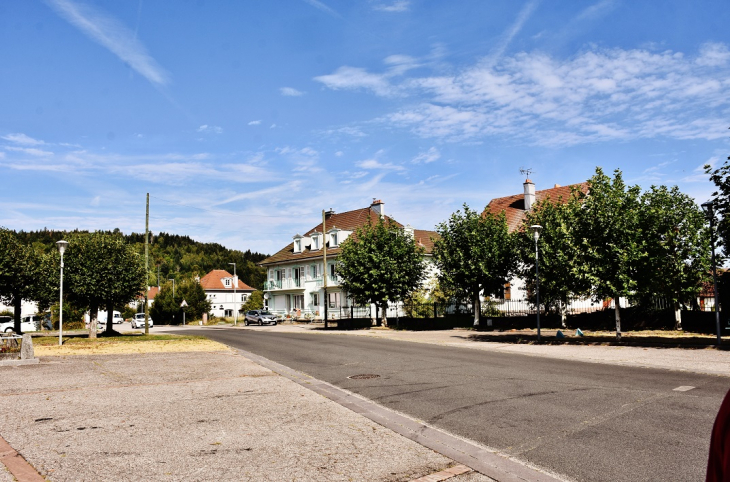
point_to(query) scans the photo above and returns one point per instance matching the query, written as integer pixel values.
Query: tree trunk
(563, 308)
(93, 314)
(617, 305)
(17, 306)
(477, 307)
(384, 308)
(109, 319)
(677, 316)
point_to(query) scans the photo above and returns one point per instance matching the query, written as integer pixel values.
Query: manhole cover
(363, 377)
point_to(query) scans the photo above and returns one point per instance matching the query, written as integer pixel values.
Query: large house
(295, 274)
(219, 289)
(515, 209)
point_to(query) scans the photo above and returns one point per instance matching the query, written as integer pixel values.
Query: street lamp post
(235, 301)
(709, 210)
(61, 248)
(536, 228)
(173, 295)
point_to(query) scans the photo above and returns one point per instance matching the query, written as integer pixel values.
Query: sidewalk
(194, 416)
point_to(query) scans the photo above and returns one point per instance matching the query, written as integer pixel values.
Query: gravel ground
(5, 476)
(193, 416)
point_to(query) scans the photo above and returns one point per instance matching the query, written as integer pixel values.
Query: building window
(228, 283)
(315, 299)
(334, 239)
(299, 302)
(244, 297)
(334, 299)
(228, 313)
(315, 242)
(297, 245)
(332, 270)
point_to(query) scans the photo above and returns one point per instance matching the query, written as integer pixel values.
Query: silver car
(259, 317)
(138, 321)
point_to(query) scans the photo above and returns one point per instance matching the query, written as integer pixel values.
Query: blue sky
(243, 120)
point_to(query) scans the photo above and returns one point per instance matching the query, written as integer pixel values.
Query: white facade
(224, 300)
(26, 308)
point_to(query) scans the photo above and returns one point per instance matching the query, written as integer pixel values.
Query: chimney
(529, 194)
(377, 206)
(328, 214)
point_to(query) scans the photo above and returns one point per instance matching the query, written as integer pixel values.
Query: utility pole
(147, 266)
(324, 266)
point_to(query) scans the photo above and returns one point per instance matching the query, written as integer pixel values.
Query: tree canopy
(101, 270)
(166, 307)
(676, 242)
(562, 273)
(611, 244)
(475, 253)
(26, 273)
(380, 263)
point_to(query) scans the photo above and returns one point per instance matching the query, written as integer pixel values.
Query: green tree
(254, 302)
(562, 276)
(721, 199)
(380, 263)
(24, 275)
(195, 297)
(611, 238)
(102, 271)
(476, 253)
(166, 309)
(676, 242)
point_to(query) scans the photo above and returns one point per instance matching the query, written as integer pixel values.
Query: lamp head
(61, 246)
(536, 229)
(708, 208)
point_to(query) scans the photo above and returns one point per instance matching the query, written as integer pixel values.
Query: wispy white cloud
(112, 34)
(511, 32)
(594, 96)
(427, 157)
(375, 164)
(397, 6)
(23, 139)
(596, 10)
(255, 122)
(324, 8)
(210, 129)
(290, 92)
(31, 151)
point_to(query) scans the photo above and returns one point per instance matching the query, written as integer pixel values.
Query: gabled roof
(348, 221)
(151, 293)
(514, 206)
(214, 281)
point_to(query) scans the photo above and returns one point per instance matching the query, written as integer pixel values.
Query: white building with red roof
(224, 299)
(295, 274)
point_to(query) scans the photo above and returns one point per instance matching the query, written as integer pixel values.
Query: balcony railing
(288, 284)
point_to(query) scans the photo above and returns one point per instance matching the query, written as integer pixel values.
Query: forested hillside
(174, 256)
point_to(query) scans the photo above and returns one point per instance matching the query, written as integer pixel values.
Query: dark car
(259, 317)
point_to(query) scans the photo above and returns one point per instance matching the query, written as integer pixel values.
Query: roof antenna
(526, 171)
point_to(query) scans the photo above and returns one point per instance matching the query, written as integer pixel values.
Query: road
(586, 421)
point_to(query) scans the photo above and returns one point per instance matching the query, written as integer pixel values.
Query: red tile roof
(151, 293)
(514, 206)
(214, 281)
(348, 221)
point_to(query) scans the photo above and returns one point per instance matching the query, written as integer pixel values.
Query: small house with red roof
(224, 300)
(295, 274)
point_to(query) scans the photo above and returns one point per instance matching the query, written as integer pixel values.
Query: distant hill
(176, 256)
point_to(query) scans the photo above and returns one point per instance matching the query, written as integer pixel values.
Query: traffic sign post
(183, 305)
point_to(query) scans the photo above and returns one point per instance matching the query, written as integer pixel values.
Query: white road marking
(684, 388)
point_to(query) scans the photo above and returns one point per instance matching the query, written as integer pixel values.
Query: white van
(102, 315)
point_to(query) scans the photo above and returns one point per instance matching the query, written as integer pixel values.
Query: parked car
(27, 323)
(260, 317)
(138, 321)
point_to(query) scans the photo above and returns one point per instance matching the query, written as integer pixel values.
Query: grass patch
(126, 343)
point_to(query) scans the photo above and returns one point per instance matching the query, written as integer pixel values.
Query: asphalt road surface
(586, 421)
